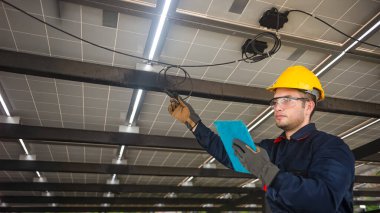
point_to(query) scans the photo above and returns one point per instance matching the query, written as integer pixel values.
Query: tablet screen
(228, 131)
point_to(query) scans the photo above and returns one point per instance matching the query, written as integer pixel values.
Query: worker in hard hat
(303, 169)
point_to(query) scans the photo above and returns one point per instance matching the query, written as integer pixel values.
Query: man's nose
(277, 107)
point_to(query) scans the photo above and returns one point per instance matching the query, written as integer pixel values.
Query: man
(304, 170)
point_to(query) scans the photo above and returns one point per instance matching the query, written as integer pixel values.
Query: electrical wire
(255, 57)
(334, 28)
(172, 88)
(248, 58)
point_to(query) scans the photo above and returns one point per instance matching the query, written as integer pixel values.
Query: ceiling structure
(74, 100)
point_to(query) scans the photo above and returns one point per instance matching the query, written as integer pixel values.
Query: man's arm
(211, 142)
(329, 178)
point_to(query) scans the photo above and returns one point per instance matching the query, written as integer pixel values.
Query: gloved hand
(183, 112)
(258, 163)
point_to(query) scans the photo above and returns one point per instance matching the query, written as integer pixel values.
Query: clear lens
(285, 101)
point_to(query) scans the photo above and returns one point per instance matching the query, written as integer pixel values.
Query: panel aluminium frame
(44, 66)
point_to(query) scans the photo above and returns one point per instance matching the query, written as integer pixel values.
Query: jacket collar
(300, 135)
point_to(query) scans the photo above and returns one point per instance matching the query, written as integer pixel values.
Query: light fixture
(38, 174)
(260, 121)
(23, 146)
(189, 179)
(113, 177)
(121, 152)
(348, 48)
(135, 106)
(249, 183)
(4, 106)
(160, 26)
(361, 128)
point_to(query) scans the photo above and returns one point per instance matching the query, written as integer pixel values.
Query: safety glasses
(285, 101)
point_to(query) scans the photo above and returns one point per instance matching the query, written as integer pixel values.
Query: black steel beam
(114, 200)
(120, 209)
(367, 149)
(121, 188)
(15, 131)
(44, 66)
(366, 193)
(47, 166)
(375, 158)
(367, 179)
(367, 202)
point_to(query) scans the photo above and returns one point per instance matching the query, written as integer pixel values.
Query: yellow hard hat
(299, 77)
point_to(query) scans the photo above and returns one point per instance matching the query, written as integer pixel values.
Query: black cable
(249, 59)
(173, 85)
(309, 14)
(254, 57)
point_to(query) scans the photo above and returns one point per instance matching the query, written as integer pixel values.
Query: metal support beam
(119, 209)
(367, 179)
(367, 202)
(367, 150)
(15, 131)
(44, 66)
(122, 188)
(366, 193)
(111, 200)
(50, 166)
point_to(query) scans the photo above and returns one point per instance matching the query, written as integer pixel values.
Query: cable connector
(272, 19)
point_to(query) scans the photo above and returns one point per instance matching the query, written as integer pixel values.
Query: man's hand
(183, 112)
(258, 163)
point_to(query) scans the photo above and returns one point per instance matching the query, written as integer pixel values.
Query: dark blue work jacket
(316, 170)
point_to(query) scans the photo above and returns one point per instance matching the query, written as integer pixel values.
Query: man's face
(291, 109)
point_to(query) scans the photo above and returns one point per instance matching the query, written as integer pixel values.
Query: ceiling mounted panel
(10, 150)
(198, 6)
(62, 10)
(24, 24)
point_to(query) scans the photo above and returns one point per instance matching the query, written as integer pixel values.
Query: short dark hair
(312, 98)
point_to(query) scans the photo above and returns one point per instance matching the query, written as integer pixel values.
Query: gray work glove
(258, 163)
(183, 112)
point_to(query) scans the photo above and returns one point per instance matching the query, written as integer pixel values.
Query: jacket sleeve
(330, 176)
(212, 143)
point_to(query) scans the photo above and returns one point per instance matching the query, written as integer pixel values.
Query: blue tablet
(228, 131)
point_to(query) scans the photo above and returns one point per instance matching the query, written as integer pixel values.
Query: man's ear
(310, 105)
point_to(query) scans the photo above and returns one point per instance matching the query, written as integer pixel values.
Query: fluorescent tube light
(136, 104)
(4, 106)
(349, 47)
(260, 121)
(361, 128)
(23, 146)
(160, 26)
(113, 177)
(38, 174)
(121, 152)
